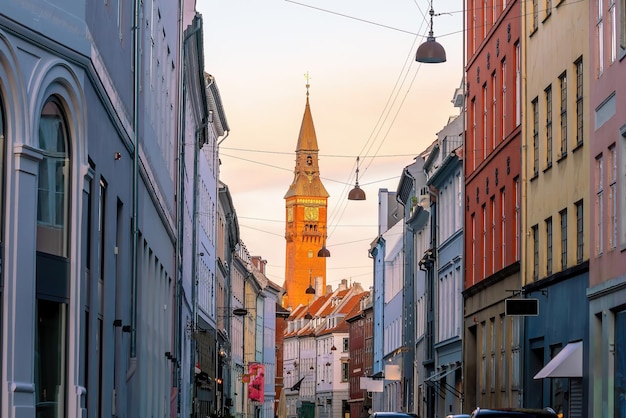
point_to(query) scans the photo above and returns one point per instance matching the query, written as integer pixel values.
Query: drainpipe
(131, 379)
(134, 272)
(180, 191)
(463, 252)
(523, 237)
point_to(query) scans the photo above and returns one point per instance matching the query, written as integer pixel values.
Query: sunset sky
(368, 98)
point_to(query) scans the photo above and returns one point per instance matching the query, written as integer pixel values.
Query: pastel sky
(368, 98)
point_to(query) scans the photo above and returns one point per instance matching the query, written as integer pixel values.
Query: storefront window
(50, 359)
(620, 365)
(558, 387)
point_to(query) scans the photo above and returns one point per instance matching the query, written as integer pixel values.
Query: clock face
(311, 213)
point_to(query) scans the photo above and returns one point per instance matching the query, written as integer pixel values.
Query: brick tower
(305, 215)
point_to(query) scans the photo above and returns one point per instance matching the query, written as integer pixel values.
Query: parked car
(458, 416)
(393, 415)
(514, 413)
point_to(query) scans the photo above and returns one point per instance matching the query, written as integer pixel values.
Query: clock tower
(305, 215)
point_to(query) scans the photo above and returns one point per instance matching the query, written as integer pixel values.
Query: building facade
(555, 250)
(227, 243)
(90, 137)
(606, 64)
(444, 170)
(492, 353)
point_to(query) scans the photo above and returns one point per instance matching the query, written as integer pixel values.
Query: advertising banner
(256, 386)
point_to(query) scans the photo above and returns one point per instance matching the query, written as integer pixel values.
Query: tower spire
(305, 230)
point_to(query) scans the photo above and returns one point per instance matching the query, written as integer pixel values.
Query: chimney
(344, 284)
(259, 263)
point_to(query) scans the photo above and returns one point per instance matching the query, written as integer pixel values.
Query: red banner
(256, 387)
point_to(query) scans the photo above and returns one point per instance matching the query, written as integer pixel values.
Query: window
(563, 86)
(485, 141)
(579, 102)
(622, 191)
(548, 93)
(535, 105)
(493, 233)
(535, 15)
(517, 217)
(492, 331)
(518, 85)
(503, 104)
(599, 38)
(535, 229)
(345, 371)
(563, 215)
(613, 29)
(503, 226)
(619, 367)
(548, 7)
(484, 241)
(558, 386)
(485, 8)
(622, 24)
(599, 180)
(503, 341)
(612, 218)
(494, 111)
(483, 371)
(579, 232)
(50, 357)
(52, 199)
(346, 346)
(473, 255)
(52, 238)
(474, 26)
(549, 246)
(101, 225)
(474, 138)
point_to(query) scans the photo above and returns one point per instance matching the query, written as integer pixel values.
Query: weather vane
(307, 78)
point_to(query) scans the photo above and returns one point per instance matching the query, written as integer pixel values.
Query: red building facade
(492, 201)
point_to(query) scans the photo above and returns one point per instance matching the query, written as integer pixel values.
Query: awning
(568, 363)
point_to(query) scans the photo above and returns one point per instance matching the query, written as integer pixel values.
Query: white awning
(568, 363)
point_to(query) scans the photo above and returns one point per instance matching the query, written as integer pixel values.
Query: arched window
(52, 193)
(53, 196)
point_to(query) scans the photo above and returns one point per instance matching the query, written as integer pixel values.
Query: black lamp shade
(323, 252)
(430, 52)
(357, 193)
